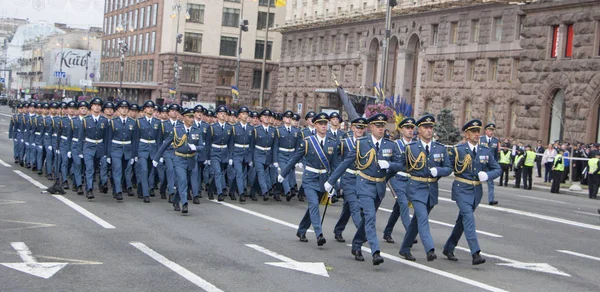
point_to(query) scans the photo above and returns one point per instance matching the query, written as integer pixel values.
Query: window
(266, 2)
(146, 40)
(430, 68)
(133, 45)
(449, 70)
(154, 14)
(135, 19)
(231, 17)
(144, 70)
(222, 100)
(493, 70)
(196, 12)
(569, 42)
(261, 23)
(520, 20)
(468, 110)
(497, 29)
(321, 44)
(189, 96)
(256, 79)
(129, 45)
(555, 35)
(332, 47)
(470, 70)
(300, 48)
(228, 46)
(190, 73)
(192, 42)
(151, 70)
(126, 72)
(310, 46)
(142, 17)
(358, 37)
(434, 34)
(514, 70)
(140, 43)
(225, 78)
(474, 36)
(345, 42)
(259, 49)
(138, 69)
(148, 15)
(453, 32)
(152, 42)
(132, 72)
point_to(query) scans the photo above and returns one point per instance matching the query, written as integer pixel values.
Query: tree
(444, 127)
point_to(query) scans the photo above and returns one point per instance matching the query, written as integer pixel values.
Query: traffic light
(393, 3)
(244, 25)
(179, 37)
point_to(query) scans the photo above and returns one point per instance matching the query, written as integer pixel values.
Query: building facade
(477, 58)
(207, 58)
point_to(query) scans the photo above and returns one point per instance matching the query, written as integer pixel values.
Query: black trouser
(504, 174)
(565, 177)
(593, 182)
(557, 178)
(518, 172)
(527, 177)
(538, 164)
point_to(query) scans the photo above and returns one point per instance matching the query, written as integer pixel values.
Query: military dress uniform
(167, 128)
(121, 133)
(12, 134)
(220, 140)
(287, 140)
(492, 144)
(306, 132)
(47, 141)
(262, 158)
(38, 140)
(243, 135)
(94, 138)
(105, 161)
(201, 155)
(30, 137)
(336, 134)
(66, 139)
(147, 140)
(76, 152)
(426, 163)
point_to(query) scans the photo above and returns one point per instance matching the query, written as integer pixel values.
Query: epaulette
(484, 146)
(361, 138)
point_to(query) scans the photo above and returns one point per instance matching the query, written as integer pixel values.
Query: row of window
(556, 40)
(133, 71)
(492, 70)
(324, 45)
(322, 73)
(112, 5)
(190, 73)
(131, 20)
(474, 29)
(141, 44)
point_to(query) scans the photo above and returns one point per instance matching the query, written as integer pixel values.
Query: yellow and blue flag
(279, 3)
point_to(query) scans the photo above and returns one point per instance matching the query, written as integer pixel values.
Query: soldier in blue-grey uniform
(334, 127)
(108, 110)
(147, 142)
(264, 139)
(76, 152)
(66, 140)
(121, 133)
(38, 137)
(163, 116)
(94, 138)
(243, 135)
(15, 133)
(426, 161)
(202, 154)
(287, 140)
(186, 140)
(373, 156)
(47, 137)
(251, 169)
(167, 128)
(491, 142)
(55, 109)
(30, 136)
(399, 182)
(472, 164)
(220, 140)
(320, 155)
(351, 206)
(309, 130)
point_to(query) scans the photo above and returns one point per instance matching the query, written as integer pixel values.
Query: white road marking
(538, 267)
(4, 163)
(205, 285)
(317, 268)
(437, 272)
(71, 261)
(586, 213)
(6, 115)
(579, 255)
(540, 199)
(535, 215)
(30, 264)
(34, 225)
(9, 202)
(30, 179)
(84, 212)
(260, 215)
(450, 225)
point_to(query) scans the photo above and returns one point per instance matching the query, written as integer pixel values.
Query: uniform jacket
(219, 136)
(202, 155)
(265, 140)
(180, 142)
(483, 161)
(94, 131)
(286, 141)
(122, 132)
(149, 132)
(493, 145)
(242, 143)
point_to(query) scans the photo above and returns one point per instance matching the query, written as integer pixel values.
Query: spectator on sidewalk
(566, 147)
(539, 149)
(518, 167)
(558, 168)
(577, 164)
(548, 159)
(504, 162)
(594, 175)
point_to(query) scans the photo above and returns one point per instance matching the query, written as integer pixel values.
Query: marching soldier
(108, 110)
(426, 161)
(121, 134)
(373, 156)
(492, 143)
(167, 128)
(49, 113)
(287, 141)
(472, 164)
(220, 140)
(310, 126)
(264, 138)
(334, 131)
(66, 140)
(77, 148)
(14, 130)
(30, 136)
(56, 119)
(38, 137)
(148, 139)
(201, 155)
(161, 169)
(242, 151)
(321, 155)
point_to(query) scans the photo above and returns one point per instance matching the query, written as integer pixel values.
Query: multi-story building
(487, 59)
(206, 55)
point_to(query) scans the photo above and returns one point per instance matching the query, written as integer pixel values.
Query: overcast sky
(75, 13)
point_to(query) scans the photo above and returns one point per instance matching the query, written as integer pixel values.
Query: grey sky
(75, 13)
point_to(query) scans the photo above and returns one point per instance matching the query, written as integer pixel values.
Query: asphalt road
(133, 246)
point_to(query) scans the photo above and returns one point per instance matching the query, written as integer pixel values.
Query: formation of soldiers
(182, 152)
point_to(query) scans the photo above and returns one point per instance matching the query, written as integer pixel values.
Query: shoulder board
(439, 144)
(387, 139)
(483, 146)
(361, 138)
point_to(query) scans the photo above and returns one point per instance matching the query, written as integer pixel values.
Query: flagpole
(264, 60)
(386, 40)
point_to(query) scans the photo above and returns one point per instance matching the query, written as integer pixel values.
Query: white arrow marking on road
(317, 268)
(538, 267)
(30, 264)
(580, 255)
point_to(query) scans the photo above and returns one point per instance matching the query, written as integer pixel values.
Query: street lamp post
(178, 39)
(87, 61)
(243, 28)
(264, 60)
(62, 44)
(123, 47)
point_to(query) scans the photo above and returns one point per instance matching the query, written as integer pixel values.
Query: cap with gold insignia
(188, 112)
(407, 122)
(266, 112)
(243, 110)
(96, 100)
(199, 108)
(287, 114)
(174, 107)
(322, 117)
(210, 113)
(336, 115)
(378, 119)
(360, 122)
(108, 104)
(490, 126)
(472, 125)
(164, 109)
(83, 103)
(148, 103)
(123, 103)
(310, 115)
(134, 107)
(426, 120)
(222, 109)
(296, 117)
(54, 105)
(72, 104)
(254, 114)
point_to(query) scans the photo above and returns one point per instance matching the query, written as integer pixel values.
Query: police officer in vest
(220, 140)
(504, 164)
(321, 156)
(492, 143)
(426, 161)
(186, 141)
(594, 174)
(287, 140)
(242, 152)
(122, 131)
(472, 165)
(528, 167)
(558, 171)
(264, 138)
(399, 182)
(94, 137)
(351, 206)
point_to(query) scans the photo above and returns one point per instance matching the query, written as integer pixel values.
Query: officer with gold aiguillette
(473, 164)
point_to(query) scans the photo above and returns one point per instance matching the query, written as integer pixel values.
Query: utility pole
(264, 60)
(178, 39)
(243, 27)
(87, 61)
(386, 40)
(62, 43)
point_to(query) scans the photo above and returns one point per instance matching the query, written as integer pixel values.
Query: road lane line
(540, 199)
(438, 272)
(185, 273)
(30, 179)
(6, 115)
(587, 213)
(450, 225)
(84, 212)
(579, 255)
(4, 163)
(260, 215)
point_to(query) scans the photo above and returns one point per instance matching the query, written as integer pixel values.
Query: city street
(532, 240)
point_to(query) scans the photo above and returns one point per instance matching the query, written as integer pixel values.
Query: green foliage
(444, 127)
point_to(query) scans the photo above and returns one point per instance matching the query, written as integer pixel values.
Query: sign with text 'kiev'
(73, 63)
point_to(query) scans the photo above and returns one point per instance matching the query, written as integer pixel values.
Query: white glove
(81, 156)
(155, 163)
(161, 160)
(276, 164)
(328, 187)
(22, 141)
(280, 178)
(250, 163)
(330, 194)
(383, 164)
(300, 165)
(135, 159)
(33, 144)
(41, 147)
(131, 161)
(108, 160)
(482, 176)
(192, 147)
(69, 154)
(230, 161)
(207, 162)
(50, 148)
(433, 171)
(58, 152)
